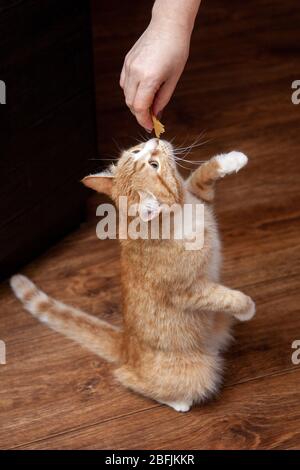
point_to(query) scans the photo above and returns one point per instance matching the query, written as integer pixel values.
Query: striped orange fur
(177, 316)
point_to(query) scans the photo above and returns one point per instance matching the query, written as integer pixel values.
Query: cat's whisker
(188, 150)
(192, 146)
(117, 145)
(198, 162)
(176, 156)
(197, 142)
(197, 138)
(191, 162)
(183, 166)
(143, 137)
(104, 159)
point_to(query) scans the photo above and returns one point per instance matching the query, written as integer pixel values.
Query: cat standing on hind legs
(177, 316)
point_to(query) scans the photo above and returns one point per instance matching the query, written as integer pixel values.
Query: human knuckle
(140, 108)
(141, 121)
(150, 79)
(127, 63)
(137, 69)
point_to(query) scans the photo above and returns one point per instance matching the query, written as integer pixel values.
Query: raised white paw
(181, 406)
(231, 162)
(248, 313)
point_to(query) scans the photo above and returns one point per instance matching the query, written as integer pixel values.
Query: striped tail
(95, 335)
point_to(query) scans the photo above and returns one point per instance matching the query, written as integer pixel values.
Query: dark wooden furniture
(47, 123)
(237, 85)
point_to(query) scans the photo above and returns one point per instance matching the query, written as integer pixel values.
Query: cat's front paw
(248, 311)
(231, 162)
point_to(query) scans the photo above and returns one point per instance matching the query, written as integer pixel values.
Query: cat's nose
(151, 145)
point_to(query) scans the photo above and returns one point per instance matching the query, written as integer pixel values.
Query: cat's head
(146, 174)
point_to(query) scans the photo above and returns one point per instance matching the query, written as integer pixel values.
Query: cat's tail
(96, 335)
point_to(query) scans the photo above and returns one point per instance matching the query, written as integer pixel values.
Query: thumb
(163, 96)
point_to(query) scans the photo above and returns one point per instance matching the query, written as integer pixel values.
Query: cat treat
(159, 128)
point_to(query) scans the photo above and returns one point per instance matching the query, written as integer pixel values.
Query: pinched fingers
(142, 104)
(139, 91)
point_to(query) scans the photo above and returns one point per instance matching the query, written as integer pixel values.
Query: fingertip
(160, 114)
(146, 125)
(122, 78)
(157, 110)
(145, 122)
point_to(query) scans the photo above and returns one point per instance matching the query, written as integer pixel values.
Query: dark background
(47, 125)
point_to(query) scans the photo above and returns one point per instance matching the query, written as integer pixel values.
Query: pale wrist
(178, 14)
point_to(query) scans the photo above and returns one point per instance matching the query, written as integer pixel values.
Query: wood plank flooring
(237, 87)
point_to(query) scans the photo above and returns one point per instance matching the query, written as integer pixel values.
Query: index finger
(142, 104)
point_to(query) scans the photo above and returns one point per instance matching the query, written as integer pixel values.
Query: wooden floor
(237, 87)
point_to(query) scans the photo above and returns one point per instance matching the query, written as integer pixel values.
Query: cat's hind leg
(127, 377)
(202, 181)
(181, 406)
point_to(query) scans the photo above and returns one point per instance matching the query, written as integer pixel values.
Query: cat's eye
(135, 151)
(154, 164)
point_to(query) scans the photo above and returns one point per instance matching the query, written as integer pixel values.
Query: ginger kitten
(177, 316)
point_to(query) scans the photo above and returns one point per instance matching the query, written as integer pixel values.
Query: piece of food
(159, 128)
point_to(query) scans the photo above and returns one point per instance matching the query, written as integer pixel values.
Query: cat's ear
(100, 182)
(149, 206)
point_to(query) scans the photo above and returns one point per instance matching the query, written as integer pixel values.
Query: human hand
(153, 67)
